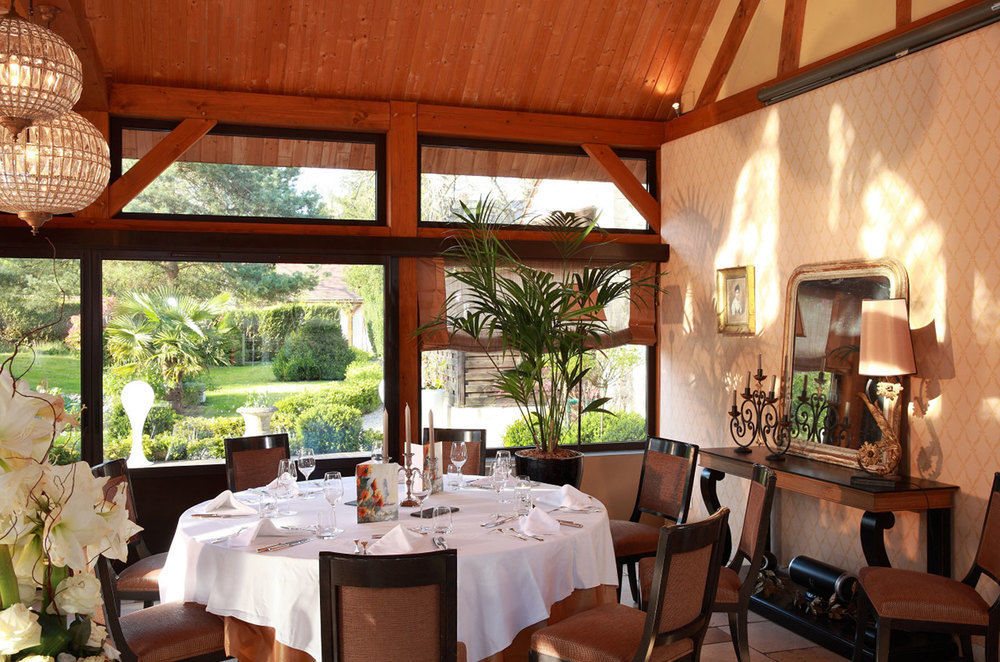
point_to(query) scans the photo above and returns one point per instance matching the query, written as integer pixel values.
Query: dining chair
(253, 461)
(688, 559)
(475, 444)
(665, 485)
(922, 602)
(733, 595)
(412, 597)
(167, 632)
(140, 580)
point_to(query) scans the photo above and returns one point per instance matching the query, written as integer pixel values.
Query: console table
(832, 483)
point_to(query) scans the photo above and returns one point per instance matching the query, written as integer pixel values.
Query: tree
(33, 295)
(368, 280)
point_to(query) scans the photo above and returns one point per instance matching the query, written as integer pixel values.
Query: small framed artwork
(736, 300)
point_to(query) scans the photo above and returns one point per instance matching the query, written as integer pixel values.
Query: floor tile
(723, 652)
(814, 654)
(715, 635)
(769, 637)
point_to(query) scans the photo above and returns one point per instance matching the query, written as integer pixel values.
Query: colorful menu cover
(435, 466)
(378, 492)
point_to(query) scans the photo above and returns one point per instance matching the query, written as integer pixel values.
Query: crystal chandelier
(54, 166)
(40, 75)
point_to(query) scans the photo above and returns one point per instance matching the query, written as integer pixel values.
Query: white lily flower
(16, 485)
(28, 420)
(79, 594)
(98, 635)
(19, 629)
(120, 527)
(72, 524)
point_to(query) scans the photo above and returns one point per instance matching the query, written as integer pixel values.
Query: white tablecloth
(504, 584)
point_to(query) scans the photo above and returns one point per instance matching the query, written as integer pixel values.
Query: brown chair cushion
(172, 631)
(727, 593)
(918, 596)
(143, 575)
(632, 538)
(609, 633)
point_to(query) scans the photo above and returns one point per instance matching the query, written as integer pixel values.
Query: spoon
(440, 543)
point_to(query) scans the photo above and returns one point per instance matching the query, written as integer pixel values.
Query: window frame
(378, 140)
(648, 156)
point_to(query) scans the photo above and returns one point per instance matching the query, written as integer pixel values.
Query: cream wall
(901, 161)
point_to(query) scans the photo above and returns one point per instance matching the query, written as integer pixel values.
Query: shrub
(330, 428)
(316, 351)
(205, 437)
(594, 429)
(160, 420)
(365, 370)
(518, 434)
(361, 394)
(277, 323)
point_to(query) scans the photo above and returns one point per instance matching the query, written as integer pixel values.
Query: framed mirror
(821, 389)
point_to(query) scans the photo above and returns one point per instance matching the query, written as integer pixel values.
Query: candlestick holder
(756, 419)
(408, 472)
(814, 417)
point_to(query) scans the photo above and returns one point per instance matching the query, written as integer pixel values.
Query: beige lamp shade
(886, 349)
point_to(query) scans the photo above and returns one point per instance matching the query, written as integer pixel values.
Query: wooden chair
(413, 598)
(253, 461)
(664, 491)
(688, 560)
(733, 596)
(139, 581)
(475, 444)
(168, 632)
(922, 602)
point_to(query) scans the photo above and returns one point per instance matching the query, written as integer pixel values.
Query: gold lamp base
(36, 219)
(881, 458)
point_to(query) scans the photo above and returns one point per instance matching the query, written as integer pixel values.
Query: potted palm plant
(545, 321)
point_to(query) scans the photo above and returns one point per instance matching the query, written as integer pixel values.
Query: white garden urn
(257, 419)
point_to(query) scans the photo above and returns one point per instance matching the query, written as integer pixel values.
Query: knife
(283, 545)
(220, 515)
(566, 522)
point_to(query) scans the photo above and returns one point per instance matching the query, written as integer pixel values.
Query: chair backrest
(475, 444)
(116, 471)
(253, 461)
(988, 554)
(412, 598)
(688, 559)
(666, 480)
(109, 596)
(756, 522)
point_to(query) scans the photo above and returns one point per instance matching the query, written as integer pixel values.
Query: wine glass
(333, 491)
(285, 484)
(498, 478)
(306, 464)
(459, 454)
(421, 491)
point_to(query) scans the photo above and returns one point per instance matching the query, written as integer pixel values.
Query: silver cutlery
(226, 537)
(499, 522)
(283, 545)
(528, 535)
(220, 515)
(440, 543)
(575, 510)
(566, 522)
(512, 532)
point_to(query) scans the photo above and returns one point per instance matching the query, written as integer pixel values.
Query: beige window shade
(630, 321)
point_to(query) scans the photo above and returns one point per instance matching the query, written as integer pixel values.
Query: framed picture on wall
(735, 300)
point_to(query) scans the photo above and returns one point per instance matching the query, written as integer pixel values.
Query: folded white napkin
(227, 504)
(401, 540)
(286, 482)
(567, 497)
(539, 523)
(265, 532)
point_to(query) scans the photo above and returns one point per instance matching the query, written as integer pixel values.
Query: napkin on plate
(286, 482)
(567, 497)
(401, 540)
(227, 504)
(539, 523)
(265, 532)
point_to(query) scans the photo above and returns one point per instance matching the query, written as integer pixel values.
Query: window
(529, 181)
(457, 386)
(41, 296)
(253, 173)
(227, 346)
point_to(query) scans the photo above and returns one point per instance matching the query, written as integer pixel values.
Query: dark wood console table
(832, 483)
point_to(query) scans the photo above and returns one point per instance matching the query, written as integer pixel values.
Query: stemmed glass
(284, 484)
(307, 463)
(459, 454)
(333, 491)
(497, 480)
(421, 491)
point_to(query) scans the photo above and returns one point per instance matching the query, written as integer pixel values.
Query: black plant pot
(552, 470)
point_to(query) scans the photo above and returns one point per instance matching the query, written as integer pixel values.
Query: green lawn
(55, 370)
(232, 385)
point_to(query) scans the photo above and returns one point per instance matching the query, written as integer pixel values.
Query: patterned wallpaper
(900, 161)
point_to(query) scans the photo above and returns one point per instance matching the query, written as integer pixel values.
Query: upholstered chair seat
(918, 596)
(172, 631)
(634, 538)
(143, 575)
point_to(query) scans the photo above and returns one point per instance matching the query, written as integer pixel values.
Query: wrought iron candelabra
(756, 419)
(408, 472)
(814, 417)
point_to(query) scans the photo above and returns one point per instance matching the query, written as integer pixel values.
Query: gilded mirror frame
(899, 287)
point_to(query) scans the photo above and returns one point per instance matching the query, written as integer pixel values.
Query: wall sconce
(886, 353)
(677, 108)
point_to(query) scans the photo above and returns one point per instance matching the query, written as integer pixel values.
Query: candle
(759, 368)
(774, 379)
(805, 383)
(748, 382)
(430, 435)
(407, 437)
(734, 398)
(385, 435)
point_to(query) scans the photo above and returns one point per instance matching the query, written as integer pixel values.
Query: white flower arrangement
(54, 525)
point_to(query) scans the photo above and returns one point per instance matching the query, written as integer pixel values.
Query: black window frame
(649, 156)
(378, 140)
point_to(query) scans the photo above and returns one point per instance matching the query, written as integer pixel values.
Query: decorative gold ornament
(882, 457)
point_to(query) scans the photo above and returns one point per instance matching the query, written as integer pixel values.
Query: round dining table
(506, 585)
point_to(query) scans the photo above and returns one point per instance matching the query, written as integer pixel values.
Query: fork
(527, 535)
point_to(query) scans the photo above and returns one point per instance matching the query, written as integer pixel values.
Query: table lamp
(137, 400)
(886, 354)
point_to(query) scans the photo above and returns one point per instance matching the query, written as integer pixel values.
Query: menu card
(378, 492)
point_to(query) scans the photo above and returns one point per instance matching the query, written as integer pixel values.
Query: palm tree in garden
(168, 333)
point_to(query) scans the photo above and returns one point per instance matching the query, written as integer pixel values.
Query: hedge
(594, 429)
(317, 351)
(330, 428)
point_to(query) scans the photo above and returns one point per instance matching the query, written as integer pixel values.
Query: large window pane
(458, 388)
(42, 296)
(528, 184)
(221, 343)
(259, 176)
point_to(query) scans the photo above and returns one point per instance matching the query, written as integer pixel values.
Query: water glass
(453, 479)
(267, 507)
(522, 495)
(283, 486)
(443, 519)
(326, 524)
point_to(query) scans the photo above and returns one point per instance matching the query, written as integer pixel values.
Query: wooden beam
(904, 12)
(791, 36)
(409, 352)
(727, 51)
(401, 149)
(627, 183)
(139, 176)
(155, 102)
(455, 121)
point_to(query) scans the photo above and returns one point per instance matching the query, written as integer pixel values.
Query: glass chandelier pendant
(55, 166)
(40, 75)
